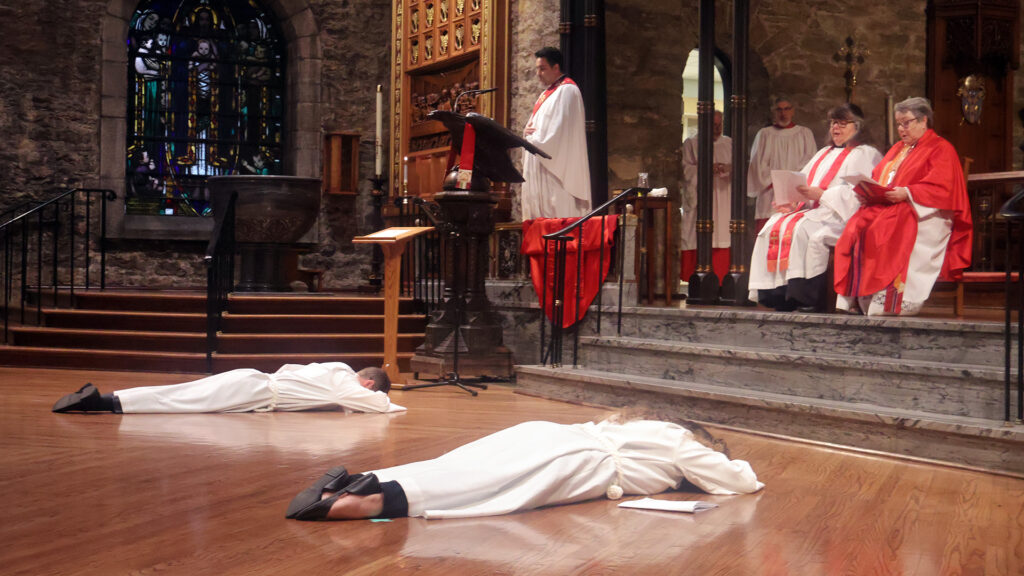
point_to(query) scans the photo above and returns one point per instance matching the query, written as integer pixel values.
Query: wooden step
(194, 342)
(93, 359)
(228, 343)
(317, 323)
(112, 320)
(271, 362)
(312, 305)
(154, 301)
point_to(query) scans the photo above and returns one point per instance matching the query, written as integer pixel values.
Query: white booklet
(784, 183)
(668, 505)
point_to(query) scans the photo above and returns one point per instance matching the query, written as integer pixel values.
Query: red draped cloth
(720, 258)
(592, 273)
(874, 250)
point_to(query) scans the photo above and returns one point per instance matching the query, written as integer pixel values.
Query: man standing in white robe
(558, 187)
(782, 146)
(294, 387)
(722, 207)
(527, 466)
(795, 276)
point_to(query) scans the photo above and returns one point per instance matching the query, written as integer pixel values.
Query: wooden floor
(205, 494)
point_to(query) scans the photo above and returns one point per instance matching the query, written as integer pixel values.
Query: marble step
(933, 387)
(981, 443)
(935, 340)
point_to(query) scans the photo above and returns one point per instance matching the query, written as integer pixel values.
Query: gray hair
(918, 106)
(779, 99)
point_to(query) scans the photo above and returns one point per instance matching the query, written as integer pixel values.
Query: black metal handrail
(1013, 212)
(422, 272)
(59, 232)
(220, 275)
(554, 345)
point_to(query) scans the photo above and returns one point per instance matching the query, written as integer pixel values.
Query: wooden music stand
(392, 242)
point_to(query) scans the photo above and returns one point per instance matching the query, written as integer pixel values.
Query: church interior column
(703, 282)
(734, 284)
(581, 26)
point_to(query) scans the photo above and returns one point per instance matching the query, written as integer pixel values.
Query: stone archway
(302, 114)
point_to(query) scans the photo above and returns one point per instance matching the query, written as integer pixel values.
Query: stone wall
(54, 65)
(49, 96)
(51, 77)
(355, 37)
(534, 24)
(791, 52)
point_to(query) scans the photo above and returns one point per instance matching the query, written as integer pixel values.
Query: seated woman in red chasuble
(914, 225)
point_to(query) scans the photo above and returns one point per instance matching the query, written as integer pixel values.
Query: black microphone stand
(453, 378)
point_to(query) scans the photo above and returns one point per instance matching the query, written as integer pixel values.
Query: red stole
(544, 96)
(591, 276)
(873, 252)
(785, 243)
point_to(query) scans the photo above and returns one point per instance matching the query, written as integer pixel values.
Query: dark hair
(700, 434)
(381, 382)
(850, 112)
(552, 55)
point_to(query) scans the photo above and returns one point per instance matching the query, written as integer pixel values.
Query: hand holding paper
(869, 191)
(784, 183)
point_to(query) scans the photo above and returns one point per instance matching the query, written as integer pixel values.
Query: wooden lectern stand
(392, 242)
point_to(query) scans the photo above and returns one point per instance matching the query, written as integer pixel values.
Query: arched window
(690, 92)
(205, 97)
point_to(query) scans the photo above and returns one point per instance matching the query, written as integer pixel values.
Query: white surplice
(722, 193)
(293, 387)
(559, 187)
(775, 148)
(542, 463)
(819, 228)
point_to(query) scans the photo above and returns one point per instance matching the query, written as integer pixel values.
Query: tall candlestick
(890, 120)
(378, 147)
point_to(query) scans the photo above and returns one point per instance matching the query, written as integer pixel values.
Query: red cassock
(592, 272)
(874, 249)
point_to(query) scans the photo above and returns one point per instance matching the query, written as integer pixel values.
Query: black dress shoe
(85, 400)
(335, 479)
(303, 508)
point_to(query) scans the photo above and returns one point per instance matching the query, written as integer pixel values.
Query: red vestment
(874, 250)
(592, 273)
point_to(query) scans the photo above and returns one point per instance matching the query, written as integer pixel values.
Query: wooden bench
(989, 279)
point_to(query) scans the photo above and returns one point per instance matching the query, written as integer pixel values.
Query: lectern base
(497, 364)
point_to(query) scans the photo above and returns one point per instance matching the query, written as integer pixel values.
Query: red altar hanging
(590, 277)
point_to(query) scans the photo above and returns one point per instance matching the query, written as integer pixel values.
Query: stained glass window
(205, 97)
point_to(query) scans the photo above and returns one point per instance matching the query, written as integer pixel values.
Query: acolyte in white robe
(722, 191)
(775, 148)
(819, 228)
(559, 187)
(542, 463)
(293, 387)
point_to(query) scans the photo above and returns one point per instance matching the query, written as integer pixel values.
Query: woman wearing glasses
(914, 227)
(791, 253)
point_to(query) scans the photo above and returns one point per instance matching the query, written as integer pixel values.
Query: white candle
(405, 170)
(378, 147)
